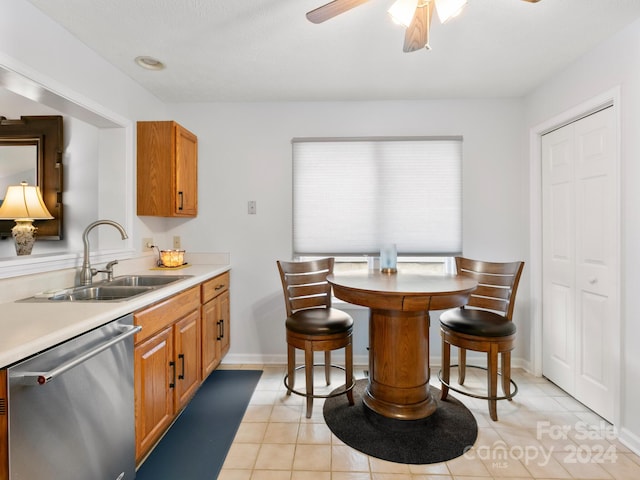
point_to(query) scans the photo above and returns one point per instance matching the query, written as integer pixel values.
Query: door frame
(608, 98)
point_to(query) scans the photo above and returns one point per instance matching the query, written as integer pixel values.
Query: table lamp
(23, 203)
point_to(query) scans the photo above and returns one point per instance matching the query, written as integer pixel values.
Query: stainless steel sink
(119, 289)
(145, 280)
(99, 293)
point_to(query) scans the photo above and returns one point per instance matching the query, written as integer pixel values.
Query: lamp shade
(402, 11)
(23, 202)
(447, 9)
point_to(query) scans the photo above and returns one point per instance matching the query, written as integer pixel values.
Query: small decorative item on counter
(388, 258)
(172, 258)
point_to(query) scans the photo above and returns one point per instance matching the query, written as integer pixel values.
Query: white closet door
(558, 306)
(580, 260)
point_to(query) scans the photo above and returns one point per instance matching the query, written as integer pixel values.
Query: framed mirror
(32, 147)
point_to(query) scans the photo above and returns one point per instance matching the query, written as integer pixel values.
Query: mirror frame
(44, 131)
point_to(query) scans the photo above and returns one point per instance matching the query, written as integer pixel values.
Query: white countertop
(28, 328)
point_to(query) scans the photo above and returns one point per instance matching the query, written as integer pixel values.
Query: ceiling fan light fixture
(447, 9)
(402, 11)
(414, 15)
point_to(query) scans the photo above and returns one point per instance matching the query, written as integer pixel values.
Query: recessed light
(149, 63)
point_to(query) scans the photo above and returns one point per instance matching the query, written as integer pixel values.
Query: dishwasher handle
(41, 378)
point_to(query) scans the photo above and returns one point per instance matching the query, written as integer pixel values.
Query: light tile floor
(542, 434)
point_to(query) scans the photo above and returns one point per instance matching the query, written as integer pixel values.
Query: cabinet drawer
(161, 314)
(214, 287)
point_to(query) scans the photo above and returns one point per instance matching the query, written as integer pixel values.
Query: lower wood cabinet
(167, 357)
(183, 339)
(215, 322)
(154, 393)
(187, 358)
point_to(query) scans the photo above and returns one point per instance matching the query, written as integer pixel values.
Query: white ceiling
(266, 50)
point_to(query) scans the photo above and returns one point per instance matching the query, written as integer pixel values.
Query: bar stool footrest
(329, 395)
(481, 397)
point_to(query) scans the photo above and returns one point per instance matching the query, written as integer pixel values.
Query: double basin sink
(118, 289)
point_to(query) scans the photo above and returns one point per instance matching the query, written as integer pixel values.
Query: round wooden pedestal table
(399, 305)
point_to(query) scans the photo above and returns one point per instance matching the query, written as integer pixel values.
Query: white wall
(99, 163)
(245, 154)
(615, 63)
(38, 45)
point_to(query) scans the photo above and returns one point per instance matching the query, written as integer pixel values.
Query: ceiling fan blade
(416, 37)
(332, 9)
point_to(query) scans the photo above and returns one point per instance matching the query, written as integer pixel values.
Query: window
(350, 196)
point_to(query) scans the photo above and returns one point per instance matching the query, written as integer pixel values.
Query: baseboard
(358, 360)
(480, 360)
(629, 440)
(258, 359)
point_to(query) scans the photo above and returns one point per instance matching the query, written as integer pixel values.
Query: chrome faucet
(87, 273)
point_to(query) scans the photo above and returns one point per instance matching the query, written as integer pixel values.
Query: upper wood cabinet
(167, 170)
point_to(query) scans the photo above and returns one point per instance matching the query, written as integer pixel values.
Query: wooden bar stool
(313, 325)
(483, 325)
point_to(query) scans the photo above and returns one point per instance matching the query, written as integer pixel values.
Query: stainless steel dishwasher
(71, 411)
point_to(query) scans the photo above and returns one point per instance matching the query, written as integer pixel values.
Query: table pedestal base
(416, 411)
(399, 365)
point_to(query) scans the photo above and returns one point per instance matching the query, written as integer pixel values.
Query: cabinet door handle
(220, 287)
(222, 328)
(173, 380)
(218, 325)
(181, 201)
(181, 358)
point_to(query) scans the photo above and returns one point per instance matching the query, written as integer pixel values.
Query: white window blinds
(350, 196)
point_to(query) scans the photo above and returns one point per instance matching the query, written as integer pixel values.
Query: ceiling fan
(415, 15)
